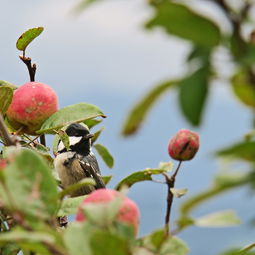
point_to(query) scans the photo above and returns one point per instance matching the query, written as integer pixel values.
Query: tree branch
(170, 181)
(7, 139)
(31, 67)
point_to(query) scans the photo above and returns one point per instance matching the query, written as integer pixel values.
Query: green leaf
(109, 242)
(27, 37)
(64, 138)
(243, 88)
(105, 155)
(55, 143)
(242, 151)
(193, 94)
(107, 179)
(167, 166)
(178, 192)
(144, 175)
(174, 246)
(69, 206)
(29, 185)
(138, 113)
(237, 252)
(90, 123)
(142, 251)
(70, 114)
(18, 235)
(155, 240)
(248, 247)
(6, 94)
(76, 238)
(7, 84)
(179, 20)
(85, 238)
(76, 186)
(221, 185)
(96, 135)
(218, 219)
(199, 53)
(28, 241)
(158, 243)
(9, 249)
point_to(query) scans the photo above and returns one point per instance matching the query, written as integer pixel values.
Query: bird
(78, 162)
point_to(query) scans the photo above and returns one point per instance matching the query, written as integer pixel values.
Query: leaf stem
(170, 181)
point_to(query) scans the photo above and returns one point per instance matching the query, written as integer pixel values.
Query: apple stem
(170, 181)
(31, 67)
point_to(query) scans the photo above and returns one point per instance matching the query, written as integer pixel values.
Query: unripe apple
(128, 211)
(31, 105)
(184, 145)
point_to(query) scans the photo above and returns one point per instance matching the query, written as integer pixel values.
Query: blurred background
(105, 57)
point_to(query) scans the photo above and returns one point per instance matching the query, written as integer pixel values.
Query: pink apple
(31, 105)
(128, 212)
(184, 145)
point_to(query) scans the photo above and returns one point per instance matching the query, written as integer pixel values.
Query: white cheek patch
(72, 141)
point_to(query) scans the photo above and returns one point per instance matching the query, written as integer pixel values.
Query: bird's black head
(77, 130)
(79, 139)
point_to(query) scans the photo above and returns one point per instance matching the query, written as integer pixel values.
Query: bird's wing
(89, 165)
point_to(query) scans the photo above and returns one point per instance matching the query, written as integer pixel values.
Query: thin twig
(7, 139)
(43, 140)
(248, 247)
(170, 184)
(31, 67)
(31, 141)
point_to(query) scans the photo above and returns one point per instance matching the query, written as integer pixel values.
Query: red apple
(184, 145)
(31, 105)
(128, 212)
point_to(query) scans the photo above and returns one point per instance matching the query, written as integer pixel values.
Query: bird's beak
(88, 136)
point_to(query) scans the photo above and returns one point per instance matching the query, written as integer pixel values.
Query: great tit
(79, 162)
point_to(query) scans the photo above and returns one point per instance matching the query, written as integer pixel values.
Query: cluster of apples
(31, 105)
(34, 102)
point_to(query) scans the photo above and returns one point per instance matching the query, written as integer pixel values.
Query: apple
(184, 145)
(31, 105)
(128, 211)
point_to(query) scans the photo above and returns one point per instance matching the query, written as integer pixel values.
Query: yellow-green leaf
(138, 113)
(243, 88)
(219, 219)
(70, 114)
(105, 154)
(6, 94)
(144, 175)
(27, 37)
